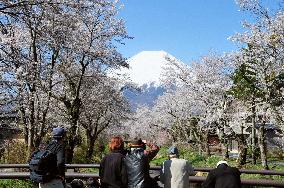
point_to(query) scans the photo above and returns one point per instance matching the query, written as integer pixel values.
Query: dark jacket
(137, 165)
(57, 147)
(223, 176)
(112, 170)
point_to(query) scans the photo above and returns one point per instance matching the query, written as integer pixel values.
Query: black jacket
(58, 147)
(223, 176)
(112, 170)
(137, 166)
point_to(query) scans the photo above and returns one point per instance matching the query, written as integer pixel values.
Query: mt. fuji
(145, 69)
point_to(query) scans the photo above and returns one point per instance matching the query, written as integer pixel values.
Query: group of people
(122, 168)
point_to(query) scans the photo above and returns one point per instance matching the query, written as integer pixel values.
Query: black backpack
(43, 165)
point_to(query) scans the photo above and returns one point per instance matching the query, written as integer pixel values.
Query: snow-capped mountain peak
(146, 67)
(145, 71)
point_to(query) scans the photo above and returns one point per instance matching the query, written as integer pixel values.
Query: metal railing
(197, 169)
(193, 179)
(243, 171)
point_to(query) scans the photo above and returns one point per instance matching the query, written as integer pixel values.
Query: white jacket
(175, 173)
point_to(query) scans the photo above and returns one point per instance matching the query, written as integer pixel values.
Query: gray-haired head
(222, 162)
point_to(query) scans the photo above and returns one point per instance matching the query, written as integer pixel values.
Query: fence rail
(198, 169)
(193, 179)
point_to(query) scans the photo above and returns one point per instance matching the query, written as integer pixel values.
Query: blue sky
(187, 29)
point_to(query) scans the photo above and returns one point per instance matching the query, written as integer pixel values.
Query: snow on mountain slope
(145, 70)
(146, 67)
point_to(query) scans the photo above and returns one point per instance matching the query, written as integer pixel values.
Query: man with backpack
(47, 165)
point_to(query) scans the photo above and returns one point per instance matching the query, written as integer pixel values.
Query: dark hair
(77, 183)
(116, 143)
(92, 183)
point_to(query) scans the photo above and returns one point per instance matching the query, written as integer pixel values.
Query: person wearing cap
(57, 146)
(175, 172)
(137, 164)
(223, 176)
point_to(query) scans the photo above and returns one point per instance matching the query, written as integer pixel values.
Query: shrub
(196, 159)
(15, 152)
(249, 152)
(100, 149)
(8, 183)
(79, 154)
(161, 157)
(213, 160)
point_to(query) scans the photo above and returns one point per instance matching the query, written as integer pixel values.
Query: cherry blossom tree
(103, 107)
(48, 49)
(26, 62)
(195, 94)
(260, 67)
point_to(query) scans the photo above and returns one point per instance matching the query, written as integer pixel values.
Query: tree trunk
(262, 146)
(200, 144)
(23, 119)
(200, 148)
(32, 88)
(199, 140)
(242, 149)
(72, 142)
(90, 145)
(207, 149)
(31, 125)
(242, 155)
(253, 130)
(72, 138)
(73, 108)
(224, 143)
(226, 150)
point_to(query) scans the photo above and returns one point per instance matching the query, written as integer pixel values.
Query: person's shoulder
(232, 168)
(167, 161)
(129, 155)
(179, 161)
(215, 170)
(117, 155)
(104, 157)
(188, 162)
(235, 169)
(182, 160)
(109, 156)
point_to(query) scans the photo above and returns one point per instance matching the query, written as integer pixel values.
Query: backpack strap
(52, 146)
